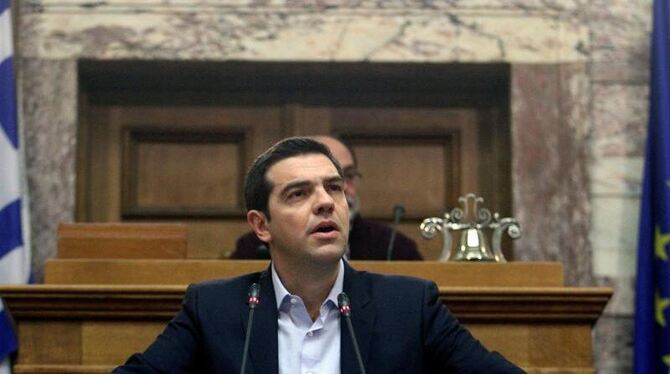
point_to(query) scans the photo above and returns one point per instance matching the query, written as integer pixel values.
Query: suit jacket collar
(357, 286)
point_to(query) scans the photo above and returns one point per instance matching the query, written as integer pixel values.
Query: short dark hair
(257, 187)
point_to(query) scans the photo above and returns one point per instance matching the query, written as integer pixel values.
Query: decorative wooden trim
(92, 302)
(494, 304)
(545, 304)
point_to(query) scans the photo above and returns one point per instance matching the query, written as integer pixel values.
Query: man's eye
(335, 187)
(295, 194)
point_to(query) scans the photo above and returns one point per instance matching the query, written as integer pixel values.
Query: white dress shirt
(306, 346)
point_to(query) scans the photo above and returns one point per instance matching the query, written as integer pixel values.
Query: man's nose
(324, 203)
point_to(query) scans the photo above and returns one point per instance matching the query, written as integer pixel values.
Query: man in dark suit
(296, 204)
(367, 240)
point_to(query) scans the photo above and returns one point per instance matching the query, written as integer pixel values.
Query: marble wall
(619, 79)
(579, 88)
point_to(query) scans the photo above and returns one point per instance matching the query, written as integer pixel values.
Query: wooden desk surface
(181, 272)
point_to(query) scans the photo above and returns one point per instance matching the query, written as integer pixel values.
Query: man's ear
(259, 224)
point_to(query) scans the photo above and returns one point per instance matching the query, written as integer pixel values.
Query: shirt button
(309, 372)
(310, 333)
(293, 300)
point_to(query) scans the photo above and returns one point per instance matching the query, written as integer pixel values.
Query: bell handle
(509, 225)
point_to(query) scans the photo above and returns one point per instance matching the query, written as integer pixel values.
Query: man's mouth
(326, 229)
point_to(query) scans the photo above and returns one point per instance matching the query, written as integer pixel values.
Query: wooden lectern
(92, 313)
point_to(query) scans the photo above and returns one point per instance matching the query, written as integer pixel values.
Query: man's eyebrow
(304, 183)
(334, 178)
(294, 184)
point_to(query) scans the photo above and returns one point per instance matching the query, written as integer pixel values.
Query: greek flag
(14, 255)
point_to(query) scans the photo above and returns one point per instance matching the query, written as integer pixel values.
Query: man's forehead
(305, 166)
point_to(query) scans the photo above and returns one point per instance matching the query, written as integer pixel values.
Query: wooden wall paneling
(214, 238)
(557, 345)
(64, 345)
(104, 195)
(130, 241)
(182, 171)
(424, 128)
(409, 172)
(105, 342)
(302, 119)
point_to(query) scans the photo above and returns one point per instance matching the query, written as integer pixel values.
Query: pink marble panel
(550, 128)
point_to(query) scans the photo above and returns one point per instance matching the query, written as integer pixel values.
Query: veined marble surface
(281, 31)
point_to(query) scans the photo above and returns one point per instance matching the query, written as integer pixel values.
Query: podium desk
(90, 320)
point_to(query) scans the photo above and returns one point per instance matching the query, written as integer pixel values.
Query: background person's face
(351, 176)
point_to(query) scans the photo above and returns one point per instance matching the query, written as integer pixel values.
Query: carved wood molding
(540, 304)
(494, 304)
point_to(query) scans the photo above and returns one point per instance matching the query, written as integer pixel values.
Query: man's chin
(329, 252)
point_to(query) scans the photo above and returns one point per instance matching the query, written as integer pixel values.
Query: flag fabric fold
(14, 255)
(652, 290)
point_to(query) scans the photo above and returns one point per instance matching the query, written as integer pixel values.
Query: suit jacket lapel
(357, 287)
(263, 356)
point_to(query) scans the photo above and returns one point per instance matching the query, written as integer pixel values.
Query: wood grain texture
(127, 240)
(138, 272)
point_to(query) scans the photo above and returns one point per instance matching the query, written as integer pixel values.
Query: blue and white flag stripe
(14, 255)
(14, 260)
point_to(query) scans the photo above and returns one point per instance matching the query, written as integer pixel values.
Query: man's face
(308, 209)
(351, 175)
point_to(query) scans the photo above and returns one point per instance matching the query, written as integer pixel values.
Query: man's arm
(175, 348)
(450, 345)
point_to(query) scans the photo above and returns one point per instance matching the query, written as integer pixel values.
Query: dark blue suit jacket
(400, 323)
